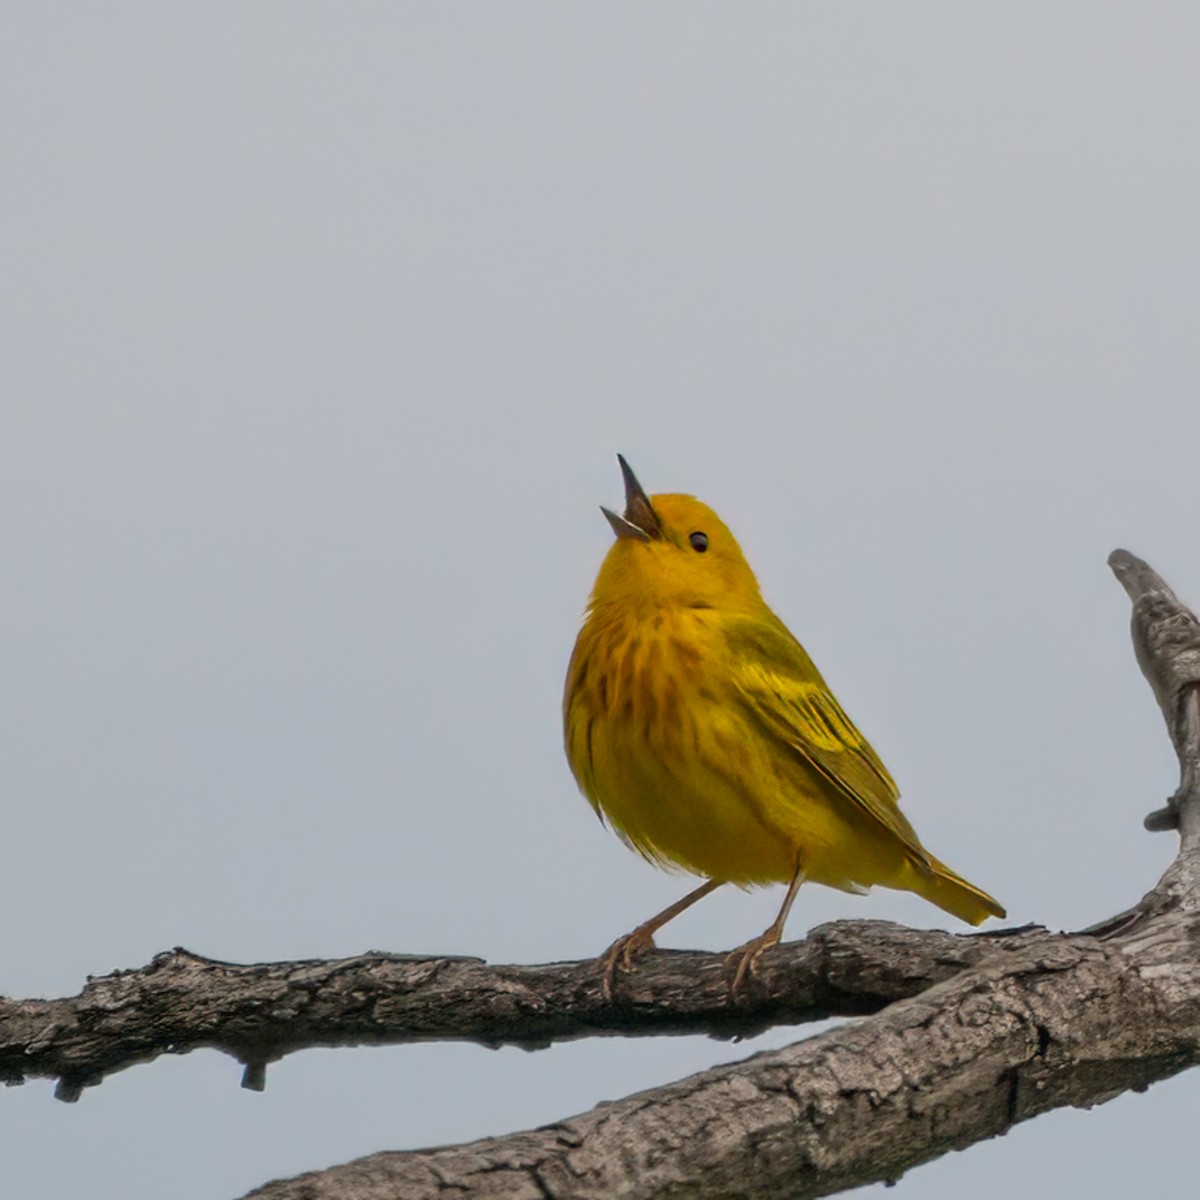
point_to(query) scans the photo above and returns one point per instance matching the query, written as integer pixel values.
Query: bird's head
(673, 551)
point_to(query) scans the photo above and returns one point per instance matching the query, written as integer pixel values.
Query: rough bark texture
(182, 1001)
(1063, 1020)
(969, 1034)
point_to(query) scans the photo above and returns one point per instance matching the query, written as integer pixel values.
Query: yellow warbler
(699, 727)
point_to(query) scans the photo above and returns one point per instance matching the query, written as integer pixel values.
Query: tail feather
(954, 894)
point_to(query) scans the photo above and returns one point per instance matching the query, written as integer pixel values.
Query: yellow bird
(698, 726)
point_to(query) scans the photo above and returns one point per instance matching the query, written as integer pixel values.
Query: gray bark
(183, 1001)
(969, 1034)
(1063, 1020)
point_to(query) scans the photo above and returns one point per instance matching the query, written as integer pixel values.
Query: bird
(698, 727)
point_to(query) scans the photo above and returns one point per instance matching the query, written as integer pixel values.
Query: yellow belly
(664, 752)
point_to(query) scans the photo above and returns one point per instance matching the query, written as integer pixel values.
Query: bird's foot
(747, 957)
(620, 955)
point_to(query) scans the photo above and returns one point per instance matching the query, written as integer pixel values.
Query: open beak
(640, 520)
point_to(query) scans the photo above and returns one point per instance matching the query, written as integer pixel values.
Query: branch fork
(960, 1036)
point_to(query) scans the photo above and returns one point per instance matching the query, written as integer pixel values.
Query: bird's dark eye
(699, 541)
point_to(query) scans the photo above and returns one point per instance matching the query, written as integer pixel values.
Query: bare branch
(1166, 641)
(1058, 1021)
(968, 1034)
(1063, 1020)
(258, 1014)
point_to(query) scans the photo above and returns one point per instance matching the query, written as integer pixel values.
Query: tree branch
(183, 1001)
(1166, 642)
(1063, 1020)
(970, 1034)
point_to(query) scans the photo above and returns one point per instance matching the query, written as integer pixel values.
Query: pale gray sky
(322, 324)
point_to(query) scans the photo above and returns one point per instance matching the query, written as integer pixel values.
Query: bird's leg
(749, 954)
(620, 955)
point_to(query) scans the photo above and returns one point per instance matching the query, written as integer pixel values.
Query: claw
(749, 954)
(747, 957)
(623, 951)
(620, 955)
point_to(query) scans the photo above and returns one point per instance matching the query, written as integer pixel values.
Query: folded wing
(786, 696)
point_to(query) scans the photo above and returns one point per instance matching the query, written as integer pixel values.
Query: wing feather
(785, 694)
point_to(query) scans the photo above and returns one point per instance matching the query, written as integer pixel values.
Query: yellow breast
(670, 759)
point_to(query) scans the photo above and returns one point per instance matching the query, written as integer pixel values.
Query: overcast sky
(322, 325)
